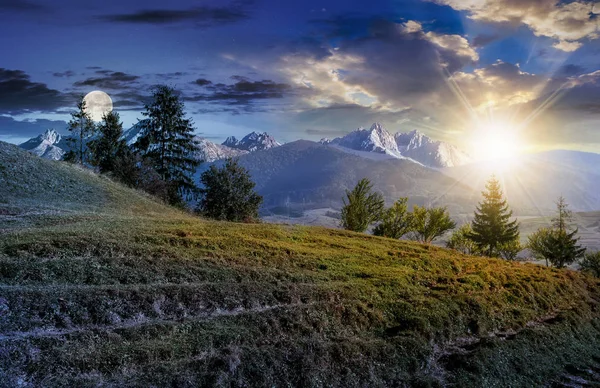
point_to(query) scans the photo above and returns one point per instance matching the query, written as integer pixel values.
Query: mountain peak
(51, 136)
(253, 141)
(231, 141)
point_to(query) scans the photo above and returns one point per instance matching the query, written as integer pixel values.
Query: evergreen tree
(564, 217)
(109, 145)
(460, 241)
(81, 127)
(559, 244)
(395, 221)
(228, 193)
(167, 141)
(430, 223)
(361, 207)
(492, 227)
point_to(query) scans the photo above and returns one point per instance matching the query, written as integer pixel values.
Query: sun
(495, 142)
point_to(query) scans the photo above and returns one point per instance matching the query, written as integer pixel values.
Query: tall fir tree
(491, 226)
(167, 140)
(82, 127)
(109, 145)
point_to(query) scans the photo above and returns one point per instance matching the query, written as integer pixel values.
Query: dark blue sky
(311, 69)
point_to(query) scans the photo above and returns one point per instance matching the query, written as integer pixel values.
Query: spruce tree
(109, 145)
(81, 127)
(491, 226)
(167, 140)
(362, 207)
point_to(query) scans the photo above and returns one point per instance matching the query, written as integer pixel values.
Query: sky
(312, 69)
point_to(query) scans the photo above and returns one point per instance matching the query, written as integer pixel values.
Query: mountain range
(374, 143)
(414, 146)
(309, 175)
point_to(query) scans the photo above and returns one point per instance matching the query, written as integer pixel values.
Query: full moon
(97, 104)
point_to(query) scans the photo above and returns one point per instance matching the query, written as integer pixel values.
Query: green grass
(133, 293)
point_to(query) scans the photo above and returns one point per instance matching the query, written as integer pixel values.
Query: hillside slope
(154, 297)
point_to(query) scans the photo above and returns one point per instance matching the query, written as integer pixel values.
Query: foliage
(491, 225)
(362, 207)
(167, 141)
(460, 241)
(510, 250)
(228, 193)
(557, 245)
(81, 127)
(591, 263)
(430, 223)
(564, 216)
(395, 221)
(108, 146)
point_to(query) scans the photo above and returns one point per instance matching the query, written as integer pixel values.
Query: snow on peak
(413, 145)
(45, 145)
(376, 139)
(207, 151)
(254, 141)
(50, 136)
(231, 141)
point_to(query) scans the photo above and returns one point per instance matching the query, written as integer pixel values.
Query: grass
(133, 293)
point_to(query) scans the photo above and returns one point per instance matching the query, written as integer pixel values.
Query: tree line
(161, 161)
(492, 232)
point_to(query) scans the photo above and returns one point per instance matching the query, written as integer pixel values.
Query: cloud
(485, 39)
(170, 76)
(21, 6)
(18, 94)
(568, 22)
(498, 85)
(109, 79)
(393, 68)
(12, 128)
(242, 92)
(67, 74)
(202, 82)
(202, 15)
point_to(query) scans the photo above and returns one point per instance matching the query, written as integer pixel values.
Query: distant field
(111, 288)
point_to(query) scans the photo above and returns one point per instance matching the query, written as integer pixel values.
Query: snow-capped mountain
(423, 149)
(46, 145)
(376, 139)
(132, 134)
(252, 142)
(412, 145)
(208, 151)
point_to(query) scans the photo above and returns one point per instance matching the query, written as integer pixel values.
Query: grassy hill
(101, 286)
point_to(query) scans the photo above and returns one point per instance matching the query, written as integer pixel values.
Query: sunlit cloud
(567, 22)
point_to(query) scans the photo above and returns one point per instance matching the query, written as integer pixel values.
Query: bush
(460, 241)
(362, 207)
(591, 263)
(430, 223)
(395, 222)
(228, 194)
